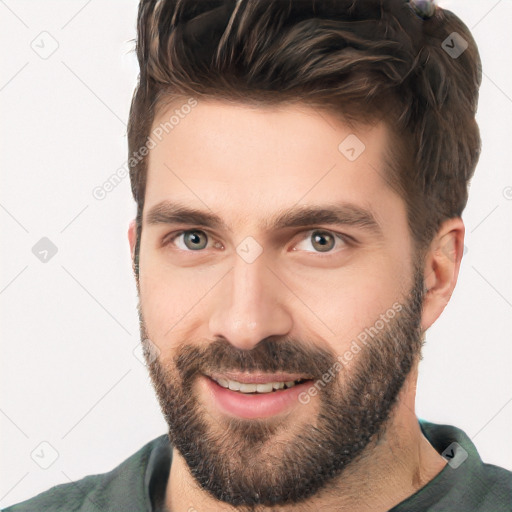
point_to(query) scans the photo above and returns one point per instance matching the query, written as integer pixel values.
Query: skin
(245, 163)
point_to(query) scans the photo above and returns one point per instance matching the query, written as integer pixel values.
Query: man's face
(312, 298)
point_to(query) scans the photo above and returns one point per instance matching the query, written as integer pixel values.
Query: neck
(389, 470)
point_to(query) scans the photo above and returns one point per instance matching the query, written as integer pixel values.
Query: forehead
(249, 162)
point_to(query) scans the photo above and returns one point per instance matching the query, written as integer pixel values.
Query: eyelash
(345, 239)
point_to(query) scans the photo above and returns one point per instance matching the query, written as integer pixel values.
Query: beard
(256, 463)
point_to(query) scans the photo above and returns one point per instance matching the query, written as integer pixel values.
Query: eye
(193, 240)
(324, 241)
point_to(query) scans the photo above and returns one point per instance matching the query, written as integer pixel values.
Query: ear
(132, 238)
(442, 263)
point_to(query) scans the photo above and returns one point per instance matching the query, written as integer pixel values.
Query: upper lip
(258, 378)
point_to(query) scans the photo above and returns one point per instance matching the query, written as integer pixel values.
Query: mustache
(273, 354)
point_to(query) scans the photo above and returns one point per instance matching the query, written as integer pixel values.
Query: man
(299, 188)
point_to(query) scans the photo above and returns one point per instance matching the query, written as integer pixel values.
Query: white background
(68, 373)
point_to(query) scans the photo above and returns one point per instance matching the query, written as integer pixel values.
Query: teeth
(248, 388)
(268, 387)
(233, 385)
(223, 382)
(264, 388)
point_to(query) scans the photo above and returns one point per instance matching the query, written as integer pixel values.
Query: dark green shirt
(138, 484)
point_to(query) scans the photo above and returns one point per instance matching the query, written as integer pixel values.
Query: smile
(267, 387)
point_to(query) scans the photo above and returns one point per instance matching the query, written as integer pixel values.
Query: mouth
(250, 388)
(252, 400)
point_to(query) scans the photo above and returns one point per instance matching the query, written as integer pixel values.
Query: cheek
(161, 294)
(349, 300)
(173, 300)
(162, 303)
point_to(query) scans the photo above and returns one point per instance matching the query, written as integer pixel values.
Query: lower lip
(258, 405)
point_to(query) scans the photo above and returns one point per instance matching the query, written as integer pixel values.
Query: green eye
(193, 240)
(323, 240)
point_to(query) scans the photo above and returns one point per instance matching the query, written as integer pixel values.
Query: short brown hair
(362, 60)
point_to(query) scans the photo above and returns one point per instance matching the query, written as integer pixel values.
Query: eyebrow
(168, 212)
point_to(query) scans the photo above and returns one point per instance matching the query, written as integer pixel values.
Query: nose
(249, 305)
